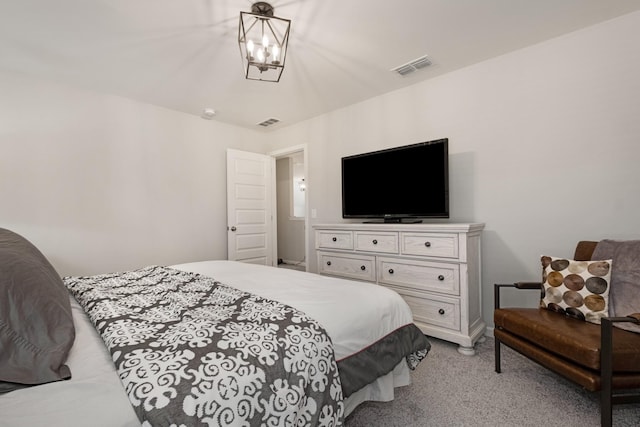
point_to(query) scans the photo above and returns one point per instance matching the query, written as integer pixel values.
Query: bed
(372, 345)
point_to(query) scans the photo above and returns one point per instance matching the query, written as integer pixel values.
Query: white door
(250, 225)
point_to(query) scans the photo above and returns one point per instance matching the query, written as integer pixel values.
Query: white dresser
(435, 267)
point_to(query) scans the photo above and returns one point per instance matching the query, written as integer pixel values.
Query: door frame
(277, 154)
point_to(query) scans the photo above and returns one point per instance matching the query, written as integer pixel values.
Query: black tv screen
(411, 181)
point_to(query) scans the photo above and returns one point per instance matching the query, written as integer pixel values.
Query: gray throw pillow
(624, 294)
(36, 325)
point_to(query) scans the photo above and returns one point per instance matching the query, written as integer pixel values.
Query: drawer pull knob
(427, 244)
(391, 271)
(375, 242)
(441, 277)
(335, 239)
(328, 262)
(441, 311)
(363, 268)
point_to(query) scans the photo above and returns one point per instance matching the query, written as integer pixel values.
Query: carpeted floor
(450, 389)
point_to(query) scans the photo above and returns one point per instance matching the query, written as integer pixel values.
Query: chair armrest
(606, 337)
(528, 285)
(632, 318)
(635, 316)
(517, 285)
(606, 342)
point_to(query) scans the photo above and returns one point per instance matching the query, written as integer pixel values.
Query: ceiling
(184, 55)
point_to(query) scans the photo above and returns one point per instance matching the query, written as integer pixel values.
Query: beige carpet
(450, 389)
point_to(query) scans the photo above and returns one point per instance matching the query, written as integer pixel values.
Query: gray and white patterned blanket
(191, 351)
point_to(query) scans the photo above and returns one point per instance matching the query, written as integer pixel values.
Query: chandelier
(263, 40)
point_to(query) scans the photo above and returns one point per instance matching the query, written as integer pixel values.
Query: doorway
(291, 194)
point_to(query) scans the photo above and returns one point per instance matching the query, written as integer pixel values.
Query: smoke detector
(208, 113)
(412, 66)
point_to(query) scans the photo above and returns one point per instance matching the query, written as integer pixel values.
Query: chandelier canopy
(263, 40)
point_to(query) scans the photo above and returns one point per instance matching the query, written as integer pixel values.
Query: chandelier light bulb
(250, 47)
(265, 41)
(275, 52)
(260, 55)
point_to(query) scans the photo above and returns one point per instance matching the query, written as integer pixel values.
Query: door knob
(233, 228)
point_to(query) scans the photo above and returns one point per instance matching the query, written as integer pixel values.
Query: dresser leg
(467, 351)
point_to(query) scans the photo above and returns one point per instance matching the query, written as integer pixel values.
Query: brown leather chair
(597, 357)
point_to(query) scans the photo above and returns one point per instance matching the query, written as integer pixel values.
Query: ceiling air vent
(412, 66)
(268, 122)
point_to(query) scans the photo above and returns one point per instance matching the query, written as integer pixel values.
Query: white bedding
(350, 311)
(355, 314)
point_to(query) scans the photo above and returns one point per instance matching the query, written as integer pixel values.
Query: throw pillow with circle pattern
(578, 289)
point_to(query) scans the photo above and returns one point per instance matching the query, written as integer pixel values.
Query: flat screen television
(401, 184)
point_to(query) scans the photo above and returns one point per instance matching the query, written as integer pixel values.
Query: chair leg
(497, 354)
(606, 373)
(606, 413)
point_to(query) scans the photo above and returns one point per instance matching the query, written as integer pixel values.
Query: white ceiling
(183, 54)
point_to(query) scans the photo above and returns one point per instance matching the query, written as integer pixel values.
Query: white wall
(544, 147)
(101, 183)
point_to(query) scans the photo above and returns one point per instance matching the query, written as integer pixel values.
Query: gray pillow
(624, 295)
(36, 326)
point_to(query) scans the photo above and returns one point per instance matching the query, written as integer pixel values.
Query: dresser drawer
(334, 239)
(360, 267)
(436, 311)
(377, 242)
(420, 275)
(433, 245)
